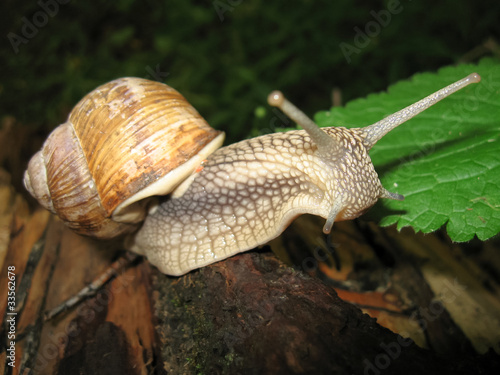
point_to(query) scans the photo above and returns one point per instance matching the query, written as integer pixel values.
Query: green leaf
(446, 160)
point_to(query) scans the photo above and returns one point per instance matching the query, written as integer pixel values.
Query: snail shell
(142, 139)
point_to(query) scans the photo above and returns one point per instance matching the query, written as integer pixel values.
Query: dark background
(226, 56)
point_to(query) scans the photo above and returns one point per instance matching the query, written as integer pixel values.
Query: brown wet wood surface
(251, 314)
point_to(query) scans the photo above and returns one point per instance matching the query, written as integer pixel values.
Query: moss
(223, 64)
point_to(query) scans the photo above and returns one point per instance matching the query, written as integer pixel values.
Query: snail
(221, 201)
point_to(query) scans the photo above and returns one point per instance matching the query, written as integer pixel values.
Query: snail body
(248, 193)
(245, 194)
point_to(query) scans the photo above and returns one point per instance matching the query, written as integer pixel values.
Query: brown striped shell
(126, 141)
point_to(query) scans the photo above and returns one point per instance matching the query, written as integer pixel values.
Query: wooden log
(252, 314)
